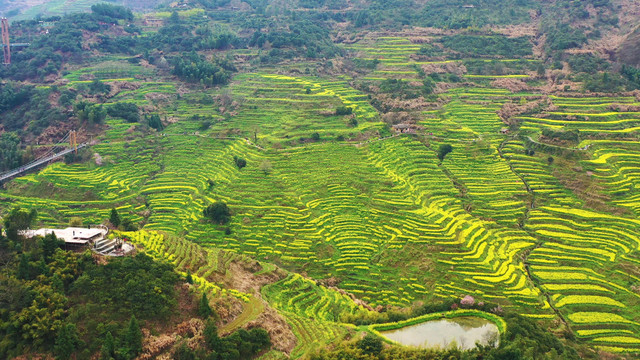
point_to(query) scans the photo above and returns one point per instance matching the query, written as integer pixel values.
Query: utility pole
(6, 46)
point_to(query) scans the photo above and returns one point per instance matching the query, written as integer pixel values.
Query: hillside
(381, 162)
(630, 49)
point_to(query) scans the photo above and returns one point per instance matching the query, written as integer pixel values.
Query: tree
(260, 339)
(218, 212)
(189, 278)
(67, 341)
(57, 284)
(174, 18)
(17, 220)
(240, 162)
(183, 352)
(210, 334)
(540, 70)
(266, 167)
(370, 344)
(23, 267)
(114, 218)
(155, 122)
(443, 150)
(315, 136)
(50, 243)
(108, 347)
(133, 338)
(204, 309)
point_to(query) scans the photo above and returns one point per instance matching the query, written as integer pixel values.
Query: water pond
(442, 333)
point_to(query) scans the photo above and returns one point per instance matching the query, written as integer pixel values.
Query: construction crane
(6, 46)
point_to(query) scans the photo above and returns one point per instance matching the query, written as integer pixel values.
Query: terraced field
(583, 261)
(383, 218)
(312, 314)
(398, 57)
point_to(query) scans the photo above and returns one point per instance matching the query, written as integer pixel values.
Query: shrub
(370, 344)
(344, 110)
(266, 167)
(114, 218)
(204, 309)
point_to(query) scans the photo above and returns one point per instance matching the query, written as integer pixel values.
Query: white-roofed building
(93, 237)
(71, 235)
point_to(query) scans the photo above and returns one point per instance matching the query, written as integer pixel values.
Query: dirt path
(250, 312)
(526, 253)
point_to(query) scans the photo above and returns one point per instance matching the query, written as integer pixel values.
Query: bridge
(18, 44)
(46, 158)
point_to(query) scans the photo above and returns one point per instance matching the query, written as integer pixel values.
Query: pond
(464, 331)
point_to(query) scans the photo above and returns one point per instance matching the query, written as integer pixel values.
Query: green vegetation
(470, 45)
(379, 173)
(218, 212)
(10, 154)
(90, 113)
(522, 338)
(443, 150)
(194, 68)
(126, 111)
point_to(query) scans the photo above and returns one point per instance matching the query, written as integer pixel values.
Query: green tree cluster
(10, 153)
(27, 110)
(130, 285)
(64, 303)
(18, 219)
(63, 42)
(218, 213)
(195, 68)
(124, 347)
(154, 122)
(89, 112)
(97, 87)
(475, 45)
(302, 37)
